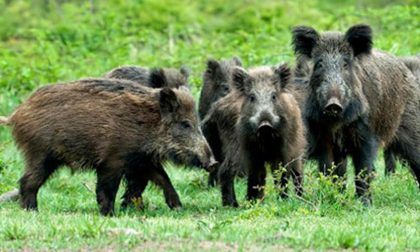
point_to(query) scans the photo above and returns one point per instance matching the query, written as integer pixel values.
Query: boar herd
(342, 99)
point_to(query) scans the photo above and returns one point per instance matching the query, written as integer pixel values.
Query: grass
(49, 41)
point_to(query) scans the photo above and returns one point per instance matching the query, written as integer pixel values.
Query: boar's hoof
(231, 204)
(174, 204)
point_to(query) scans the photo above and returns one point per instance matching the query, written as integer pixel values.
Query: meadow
(46, 41)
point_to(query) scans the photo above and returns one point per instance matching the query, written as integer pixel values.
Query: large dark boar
(357, 98)
(216, 82)
(413, 63)
(118, 128)
(155, 77)
(269, 130)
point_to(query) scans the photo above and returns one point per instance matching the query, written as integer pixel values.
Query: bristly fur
(248, 152)
(378, 98)
(154, 77)
(116, 127)
(216, 82)
(413, 63)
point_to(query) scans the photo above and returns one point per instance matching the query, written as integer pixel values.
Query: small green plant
(14, 232)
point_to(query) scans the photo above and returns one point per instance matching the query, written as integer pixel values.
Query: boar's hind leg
(136, 182)
(161, 178)
(106, 189)
(363, 159)
(212, 181)
(389, 162)
(408, 147)
(38, 169)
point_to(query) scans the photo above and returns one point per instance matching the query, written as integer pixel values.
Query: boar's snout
(265, 120)
(209, 161)
(333, 107)
(264, 125)
(212, 164)
(265, 129)
(205, 158)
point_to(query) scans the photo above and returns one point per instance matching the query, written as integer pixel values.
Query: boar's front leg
(161, 178)
(293, 171)
(296, 172)
(326, 157)
(211, 133)
(212, 180)
(364, 155)
(256, 179)
(340, 169)
(281, 177)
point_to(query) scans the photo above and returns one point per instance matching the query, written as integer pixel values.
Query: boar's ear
(213, 68)
(240, 79)
(237, 61)
(283, 74)
(168, 101)
(304, 40)
(157, 78)
(185, 71)
(360, 38)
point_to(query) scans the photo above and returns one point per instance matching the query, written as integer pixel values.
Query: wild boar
(116, 127)
(269, 130)
(358, 97)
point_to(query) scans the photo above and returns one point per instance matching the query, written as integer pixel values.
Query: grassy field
(47, 41)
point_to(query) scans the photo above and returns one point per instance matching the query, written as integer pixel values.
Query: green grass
(66, 40)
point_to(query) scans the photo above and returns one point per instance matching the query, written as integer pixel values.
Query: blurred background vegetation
(46, 41)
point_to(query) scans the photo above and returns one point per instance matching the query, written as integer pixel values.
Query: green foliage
(47, 41)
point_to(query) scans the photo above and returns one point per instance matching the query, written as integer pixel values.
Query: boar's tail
(4, 120)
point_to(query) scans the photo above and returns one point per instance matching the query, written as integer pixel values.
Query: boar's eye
(318, 64)
(186, 125)
(273, 97)
(225, 88)
(252, 98)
